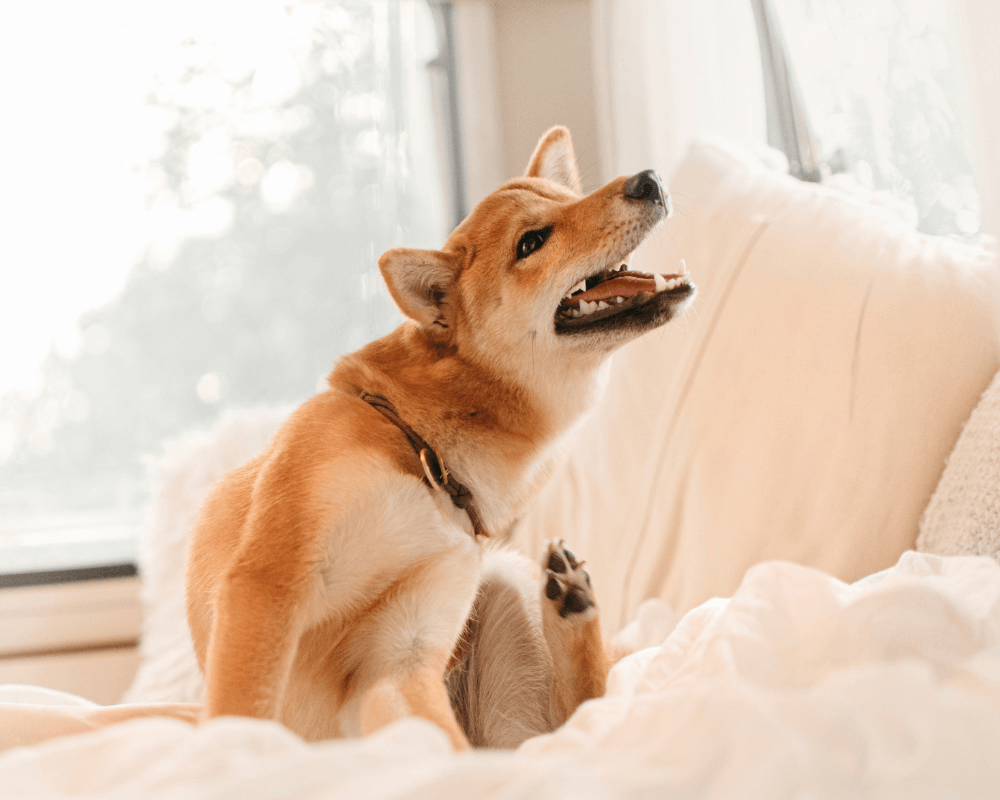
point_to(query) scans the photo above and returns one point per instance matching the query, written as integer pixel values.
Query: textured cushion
(802, 410)
(963, 517)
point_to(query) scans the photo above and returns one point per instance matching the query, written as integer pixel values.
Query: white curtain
(979, 26)
(665, 71)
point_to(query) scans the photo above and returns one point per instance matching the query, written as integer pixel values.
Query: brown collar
(435, 473)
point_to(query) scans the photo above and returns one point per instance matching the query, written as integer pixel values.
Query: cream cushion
(802, 410)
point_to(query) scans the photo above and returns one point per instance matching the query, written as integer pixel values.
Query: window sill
(67, 617)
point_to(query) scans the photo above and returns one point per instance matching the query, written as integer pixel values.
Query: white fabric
(187, 470)
(963, 516)
(32, 714)
(664, 72)
(802, 410)
(799, 686)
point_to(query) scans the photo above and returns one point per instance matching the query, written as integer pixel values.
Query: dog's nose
(646, 186)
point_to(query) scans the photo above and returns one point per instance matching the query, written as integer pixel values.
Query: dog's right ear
(421, 282)
(554, 159)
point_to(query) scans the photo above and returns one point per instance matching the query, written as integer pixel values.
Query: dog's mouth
(615, 292)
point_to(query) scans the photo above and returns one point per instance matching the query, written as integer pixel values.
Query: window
(228, 261)
(881, 102)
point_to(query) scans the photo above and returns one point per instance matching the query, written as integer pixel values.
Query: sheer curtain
(664, 71)
(979, 25)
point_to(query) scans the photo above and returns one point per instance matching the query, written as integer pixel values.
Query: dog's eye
(531, 241)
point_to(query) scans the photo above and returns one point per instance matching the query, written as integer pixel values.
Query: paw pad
(567, 584)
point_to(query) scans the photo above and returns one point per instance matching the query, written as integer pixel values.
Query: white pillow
(963, 517)
(802, 410)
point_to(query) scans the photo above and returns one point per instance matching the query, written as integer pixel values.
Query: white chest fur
(390, 526)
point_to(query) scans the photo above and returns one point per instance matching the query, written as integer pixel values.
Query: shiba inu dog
(346, 577)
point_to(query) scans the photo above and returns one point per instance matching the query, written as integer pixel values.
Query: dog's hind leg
(572, 629)
(500, 679)
(527, 657)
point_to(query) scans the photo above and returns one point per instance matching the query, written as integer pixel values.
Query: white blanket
(798, 686)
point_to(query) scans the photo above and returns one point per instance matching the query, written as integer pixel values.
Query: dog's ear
(420, 281)
(554, 159)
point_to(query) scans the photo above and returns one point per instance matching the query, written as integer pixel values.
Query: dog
(348, 575)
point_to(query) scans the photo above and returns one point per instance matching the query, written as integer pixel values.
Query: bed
(797, 686)
(748, 497)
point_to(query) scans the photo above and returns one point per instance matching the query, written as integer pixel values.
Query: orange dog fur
(330, 588)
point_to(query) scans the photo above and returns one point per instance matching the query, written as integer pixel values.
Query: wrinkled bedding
(798, 686)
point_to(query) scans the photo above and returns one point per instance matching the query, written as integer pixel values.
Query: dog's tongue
(625, 286)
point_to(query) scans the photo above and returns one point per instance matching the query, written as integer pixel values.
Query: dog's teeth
(619, 299)
(587, 308)
(601, 305)
(684, 268)
(580, 287)
(660, 281)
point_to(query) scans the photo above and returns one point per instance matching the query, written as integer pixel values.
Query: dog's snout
(646, 186)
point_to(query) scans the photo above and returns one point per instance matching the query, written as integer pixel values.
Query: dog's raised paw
(567, 584)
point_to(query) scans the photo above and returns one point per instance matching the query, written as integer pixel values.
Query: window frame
(787, 125)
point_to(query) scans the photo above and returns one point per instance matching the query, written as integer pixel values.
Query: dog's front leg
(413, 636)
(420, 692)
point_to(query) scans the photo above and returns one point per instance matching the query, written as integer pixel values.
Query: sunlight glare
(74, 77)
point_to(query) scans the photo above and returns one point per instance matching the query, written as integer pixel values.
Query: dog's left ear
(554, 159)
(420, 281)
